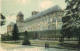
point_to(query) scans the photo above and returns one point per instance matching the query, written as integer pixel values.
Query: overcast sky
(10, 8)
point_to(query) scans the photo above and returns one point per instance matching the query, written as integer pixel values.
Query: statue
(26, 39)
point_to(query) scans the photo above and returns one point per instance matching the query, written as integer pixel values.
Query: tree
(71, 19)
(15, 34)
(2, 19)
(26, 39)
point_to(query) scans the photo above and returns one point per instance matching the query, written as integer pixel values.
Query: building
(20, 22)
(49, 19)
(10, 28)
(40, 23)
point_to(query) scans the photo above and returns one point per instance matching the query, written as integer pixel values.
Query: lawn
(7, 44)
(33, 42)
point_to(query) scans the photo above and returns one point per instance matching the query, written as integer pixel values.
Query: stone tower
(20, 22)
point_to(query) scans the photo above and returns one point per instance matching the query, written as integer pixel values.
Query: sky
(10, 8)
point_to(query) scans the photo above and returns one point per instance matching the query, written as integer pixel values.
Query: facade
(10, 28)
(49, 19)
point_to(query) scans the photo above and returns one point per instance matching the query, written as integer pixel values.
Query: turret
(20, 17)
(20, 21)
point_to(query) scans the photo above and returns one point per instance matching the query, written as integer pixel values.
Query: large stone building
(49, 19)
(42, 23)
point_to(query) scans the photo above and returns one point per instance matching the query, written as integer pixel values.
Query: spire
(20, 14)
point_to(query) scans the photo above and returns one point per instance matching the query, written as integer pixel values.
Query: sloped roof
(50, 10)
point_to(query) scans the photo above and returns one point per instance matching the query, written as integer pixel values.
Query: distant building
(49, 19)
(10, 28)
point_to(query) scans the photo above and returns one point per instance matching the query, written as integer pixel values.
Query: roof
(50, 10)
(20, 14)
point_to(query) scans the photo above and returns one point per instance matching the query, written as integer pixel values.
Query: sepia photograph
(39, 25)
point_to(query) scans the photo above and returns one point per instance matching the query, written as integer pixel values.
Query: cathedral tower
(20, 21)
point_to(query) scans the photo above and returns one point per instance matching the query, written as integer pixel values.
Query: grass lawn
(7, 44)
(33, 42)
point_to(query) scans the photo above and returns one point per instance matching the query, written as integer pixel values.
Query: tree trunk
(68, 38)
(79, 42)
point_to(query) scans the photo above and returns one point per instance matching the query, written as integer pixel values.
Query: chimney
(35, 12)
